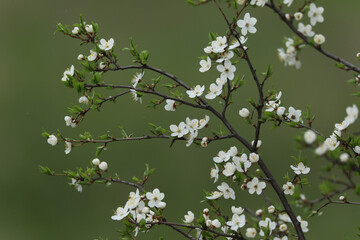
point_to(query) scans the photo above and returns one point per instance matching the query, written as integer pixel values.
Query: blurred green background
(34, 206)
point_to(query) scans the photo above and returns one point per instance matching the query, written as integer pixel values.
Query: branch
(335, 202)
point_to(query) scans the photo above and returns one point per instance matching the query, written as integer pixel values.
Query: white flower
(283, 227)
(216, 223)
(304, 224)
(68, 146)
(235, 43)
(120, 213)
(106, 45)
(247, 25)
(205, 65)
(154, 198)
(288, 2)
(215, 195)
(134, 200)
(69, 71)
(259, 3)
(253, 157)
(189, 218)
(232, 152)
(298, 16)
(227, 191)
(321, 150)
(52, 140)
(196, 92)
(259, 212)
(343, 125)
(236, 222)
(280, 111)
(78, 187)
(214, 91)
(83, 100)
(103, 166)
(92, 56)
(136, 79)
(284, 217)
(170, 105)
(319, 39)
(357, 149)
(315, 14)
(352, 114)
(344, 157)
(203, 122)
(273, 104)
(75, 30)
(341, 198)
(162, 205)
(258, 144)
(331, 143)
(255, 186)
(80, 57)
(271, 209)
(102, 65)
(208, 49)
(300, 169)
(244, 112)
(214, 173)
(294, 115)
(289, 58)
(242, 163)
(96, 162)
(309, 137)
(267, 223)
(89, 28)
(288, 188)
(227, 70)
(225, 56)
(229, 170)
(250, 232)
(237, 211)
(68, 120)
(306, 30)
(179, 131)
(221, 82)
(221, 157)
(219, 45)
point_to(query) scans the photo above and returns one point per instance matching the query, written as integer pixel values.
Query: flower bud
(344, 157)
(342, 198)
(75, 30)
(216, 223)
(103, 166)
(96, 161)
(89, 28)
(162, 205)
(259, 212)
(280, 111)
(271, 209)
(81, 57)
(52, 140)
(298, 16)
(83, 100)
(244, 112)
(319, 39)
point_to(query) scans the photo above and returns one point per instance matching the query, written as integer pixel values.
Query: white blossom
(236, 222)
(227, 70)
(221, 157)
(229, 169)
(68, 146)
(304, 224)
(77, 186)
(306, 30)
(102, 65)
(106, 45)
(343, 125)
(280, 111)
(236, 210)
(288, 2)
(214, 91)
(136, 79)
(251, 232)
(75, 30)
(69, 71)
(80, 57)
(120, 213)
(203, 122)
(179, 131)
(225, 56)
(52, 140)
(242, 163)
(89, 28)
(205, 65)
(259, 3)
(216, 223)
(233, 151)
(204, 141)
(300, 169)
(331, 143)
(309, 137)
(244, 112)
(103, 166)
(247, 25)
(255, 186)
(267, 223)
(170, 105)
(271, 209)
(288, 188)
(92, 56)
(254, 157)
(298, 16)
(352, 114)
(283, 227)
(319, 39)
(196, 92)
(315, 14)
(235, 43)
(219, 45)
(294, 115)
(215, 195)
(155, 197)
(227, 191)
(189, 218)
(284, 217)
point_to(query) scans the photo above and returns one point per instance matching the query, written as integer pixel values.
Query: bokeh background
(34, 206)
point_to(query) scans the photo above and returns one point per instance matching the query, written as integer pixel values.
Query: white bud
(358, 55)
(81, 57)
(75, 30)
(253, 157)
(204, 141)
(244, 112)
(283, 227)
(162, 205)
(216, 223)
(342, 198)
(288, 16)
(344, 157)
(102, 65)
(280, 111)
(89, 28)
(208, 223)
(357, 149)
(68, 120)
(52, 140)
(103, 166)
(309, 137)
(96, 161)
(298, 16)
(259, 212)
(271, 209)
(83, 100)
(258, 143)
